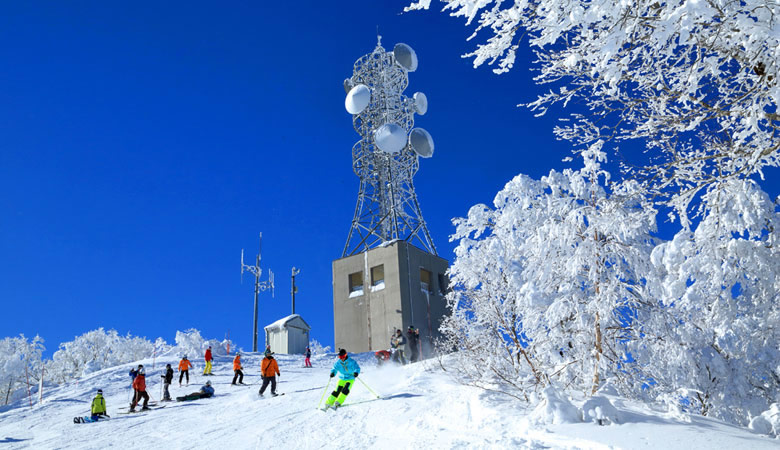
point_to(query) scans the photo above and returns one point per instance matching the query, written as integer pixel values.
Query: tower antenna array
(259, 285)
(387, 155)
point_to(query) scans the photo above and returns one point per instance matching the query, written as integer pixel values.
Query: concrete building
(384, 289)
(289, 335)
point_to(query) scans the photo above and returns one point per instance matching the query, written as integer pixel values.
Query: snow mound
(768, 422)
(600, 410)
(554, 409)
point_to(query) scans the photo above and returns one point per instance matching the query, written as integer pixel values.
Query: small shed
(289, 335)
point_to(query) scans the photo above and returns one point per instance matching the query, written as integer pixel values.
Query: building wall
(365, 322)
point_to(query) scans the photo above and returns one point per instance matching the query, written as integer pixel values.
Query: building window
(442, 284)
(377, 278)
(425, 281)
(355, 284)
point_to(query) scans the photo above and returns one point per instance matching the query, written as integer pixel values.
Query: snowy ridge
(422, 407)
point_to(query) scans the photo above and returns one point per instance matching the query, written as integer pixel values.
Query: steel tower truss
(387, 208)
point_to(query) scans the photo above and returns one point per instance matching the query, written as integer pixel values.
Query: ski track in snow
(421, 407)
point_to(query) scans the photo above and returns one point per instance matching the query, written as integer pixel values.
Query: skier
(98, 406)
(139, 384)
(133, 374)
(237, 370)
(205, 392)
(167, 379)
(184, 369)
(307, 361)
(348, 369)
(397, 342)
(269, 369)
(414, 342)
(207, 370)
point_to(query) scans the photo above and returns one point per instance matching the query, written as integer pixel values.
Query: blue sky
(144, 145)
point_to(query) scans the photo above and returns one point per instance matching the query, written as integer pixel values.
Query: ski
(152, 403)
(270, 395)
(142, 410)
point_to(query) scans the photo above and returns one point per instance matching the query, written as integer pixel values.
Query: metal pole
(294, 289)
(257, 291)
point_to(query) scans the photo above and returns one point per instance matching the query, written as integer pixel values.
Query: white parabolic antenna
(422, 142)
(357, 99)
(390, 138)
(405, 57)
(420, 103)
(347, 85)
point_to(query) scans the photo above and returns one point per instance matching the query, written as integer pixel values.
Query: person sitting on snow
(98, 406)
(205, 392)
(348, 369)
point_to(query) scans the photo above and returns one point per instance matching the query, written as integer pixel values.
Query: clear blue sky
(142, 146)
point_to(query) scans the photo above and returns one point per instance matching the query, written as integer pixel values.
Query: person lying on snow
(205, 392)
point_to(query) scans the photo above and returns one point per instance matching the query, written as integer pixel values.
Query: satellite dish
(347, 85)
(422, 142)
(390, 138)
(357, 99)
(405, 57)
(420, 103)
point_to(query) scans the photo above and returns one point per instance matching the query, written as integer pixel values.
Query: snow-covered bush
(546, 285)
(20, 358)
(768, 422)
(600, 410)
(96, 350)
(317, 348)
(716, 329)
(554, 408)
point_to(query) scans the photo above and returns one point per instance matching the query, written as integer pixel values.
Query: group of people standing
(398, 344)
(347, 369)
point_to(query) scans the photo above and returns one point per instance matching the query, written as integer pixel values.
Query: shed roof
(285, 321)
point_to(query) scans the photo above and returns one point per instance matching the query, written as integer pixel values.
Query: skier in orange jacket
(184, 369)
(239, 375)
(269, 369)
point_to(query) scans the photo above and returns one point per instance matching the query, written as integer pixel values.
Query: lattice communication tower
(387, 155)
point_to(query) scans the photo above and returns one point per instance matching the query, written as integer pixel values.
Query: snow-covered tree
(190, 343)
(96, 350)
(717, 326)
(695, 81)
(317, 348)
(547, 284)
(20, 360)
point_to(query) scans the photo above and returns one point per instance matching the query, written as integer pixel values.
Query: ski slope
(421, 407)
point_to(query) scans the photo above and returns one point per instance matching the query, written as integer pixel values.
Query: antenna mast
(293, 288)
(259, 286)
(386, 157)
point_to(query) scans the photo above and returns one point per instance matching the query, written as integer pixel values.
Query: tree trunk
(598, 356)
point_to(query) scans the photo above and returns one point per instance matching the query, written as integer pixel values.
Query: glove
(332, 374)
(355, 374)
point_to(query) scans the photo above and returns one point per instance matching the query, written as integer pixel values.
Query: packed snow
(421, 406)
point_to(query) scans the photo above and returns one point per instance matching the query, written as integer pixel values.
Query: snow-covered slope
(421, 407)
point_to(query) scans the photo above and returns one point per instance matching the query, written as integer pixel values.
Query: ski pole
(323, 393)
(370, 390)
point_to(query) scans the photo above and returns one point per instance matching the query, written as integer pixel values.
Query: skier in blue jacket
(348, 369)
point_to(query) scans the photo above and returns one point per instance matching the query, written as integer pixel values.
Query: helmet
(100, 391)
(208, 382)
(184, 357)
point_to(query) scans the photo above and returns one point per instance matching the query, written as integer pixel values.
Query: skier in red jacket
(139, 384)
(207, 370)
